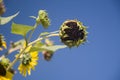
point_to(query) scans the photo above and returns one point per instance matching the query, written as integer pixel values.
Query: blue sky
(99, 59)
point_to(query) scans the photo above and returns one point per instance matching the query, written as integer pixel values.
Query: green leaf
(5, 20)
(48, 48)
(36, 47)
(44, 33)
(20, 29)
(54, 47)
(20, 42)
(32, 49)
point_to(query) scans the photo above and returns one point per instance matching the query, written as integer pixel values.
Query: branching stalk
(31, 43)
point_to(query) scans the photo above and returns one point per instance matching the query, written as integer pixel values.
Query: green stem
(41, 38)
(54, 32)
(15, 60)
(30, 36)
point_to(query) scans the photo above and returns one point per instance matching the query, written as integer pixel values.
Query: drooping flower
(28, 61)
(43, 18)
(47, 55)
(73, 33)
(2, 7)
(2, 42)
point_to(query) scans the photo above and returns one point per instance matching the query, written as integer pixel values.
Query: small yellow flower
(2, 42)
(28, 62)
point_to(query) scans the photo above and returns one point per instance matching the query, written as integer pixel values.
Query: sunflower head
(4, 73)
(2, 70)
(72, 33)
(43, 18)
(2, 7)
(2, 42)
(28, 61)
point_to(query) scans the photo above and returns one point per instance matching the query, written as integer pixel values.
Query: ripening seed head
(73, 33)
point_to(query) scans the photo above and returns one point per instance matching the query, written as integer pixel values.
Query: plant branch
(31, 43)
(15, 60)
(39, 39)
(30, 36)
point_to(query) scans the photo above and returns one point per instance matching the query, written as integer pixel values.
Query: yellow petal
(4, 44)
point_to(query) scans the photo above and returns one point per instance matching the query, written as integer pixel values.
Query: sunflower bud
(73, 33)
(26, 59)
(2, 42)
(2, 7)
(43, 18)
(47, 55)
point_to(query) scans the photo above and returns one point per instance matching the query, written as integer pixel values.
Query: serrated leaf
(44, 33)
(5, 20)
(20, 29)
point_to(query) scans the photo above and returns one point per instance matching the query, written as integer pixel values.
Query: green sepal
(20, 29)
(5, 20)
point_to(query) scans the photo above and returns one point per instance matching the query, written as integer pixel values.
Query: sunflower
(2, 42)
(73, 33)
(4, 74)
(28, 61)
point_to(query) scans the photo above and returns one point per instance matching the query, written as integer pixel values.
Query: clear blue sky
(99, 59)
